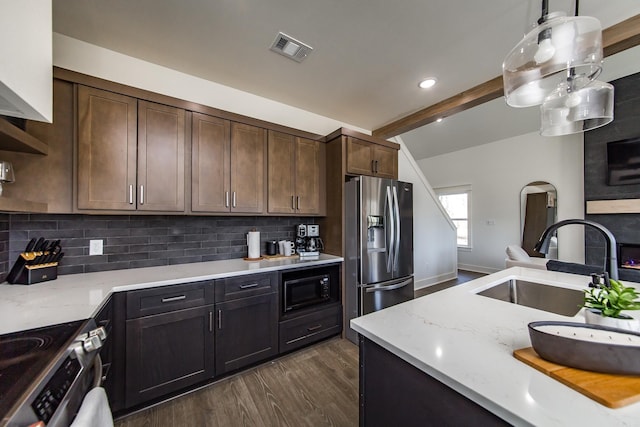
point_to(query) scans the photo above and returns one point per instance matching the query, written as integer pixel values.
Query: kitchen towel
(94, 411)
(253, 243)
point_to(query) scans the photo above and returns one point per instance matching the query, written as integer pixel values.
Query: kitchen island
(460, 345)
(80, 296)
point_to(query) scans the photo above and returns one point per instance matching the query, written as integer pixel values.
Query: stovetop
(25, 355)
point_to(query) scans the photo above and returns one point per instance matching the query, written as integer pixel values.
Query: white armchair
(518, 257)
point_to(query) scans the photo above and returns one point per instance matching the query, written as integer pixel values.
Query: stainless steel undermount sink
(554, 299)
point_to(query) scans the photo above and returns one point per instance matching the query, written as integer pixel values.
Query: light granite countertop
(467, 341)
(80, 296)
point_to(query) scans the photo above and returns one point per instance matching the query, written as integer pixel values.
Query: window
(457, 202)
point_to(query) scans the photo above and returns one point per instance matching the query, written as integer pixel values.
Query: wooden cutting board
(613, 391)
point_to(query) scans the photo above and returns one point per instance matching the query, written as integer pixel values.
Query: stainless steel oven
(306, 288)
(45, 373)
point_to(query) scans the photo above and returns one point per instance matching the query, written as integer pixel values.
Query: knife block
(24, 274)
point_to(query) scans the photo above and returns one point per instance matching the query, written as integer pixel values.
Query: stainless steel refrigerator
(378, 245)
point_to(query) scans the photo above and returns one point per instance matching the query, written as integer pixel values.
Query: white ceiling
(368, 58)
(495, 120)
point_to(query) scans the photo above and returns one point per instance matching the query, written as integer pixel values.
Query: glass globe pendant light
(571, 108)
(537, 64)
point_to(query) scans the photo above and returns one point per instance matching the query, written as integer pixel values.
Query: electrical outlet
(95, 247)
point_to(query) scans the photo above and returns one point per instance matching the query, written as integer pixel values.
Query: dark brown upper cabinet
(366, 158)
(228, 166)
(130, 153)
(296, 175)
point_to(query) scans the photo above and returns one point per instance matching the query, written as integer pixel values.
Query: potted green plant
(604, 306)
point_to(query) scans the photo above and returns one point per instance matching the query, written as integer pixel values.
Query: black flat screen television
(623, 162)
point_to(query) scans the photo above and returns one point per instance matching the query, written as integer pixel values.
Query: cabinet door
(281, 164)
(160, 157)
(167, 352)
(246, 331)
(310, 172)
(107, 124)
(210, 161)
(386, 162)
(248, 157)
(359, 157)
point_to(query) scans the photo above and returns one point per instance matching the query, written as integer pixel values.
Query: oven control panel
(49, 399)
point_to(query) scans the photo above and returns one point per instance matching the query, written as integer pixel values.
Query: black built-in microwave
(307, 288)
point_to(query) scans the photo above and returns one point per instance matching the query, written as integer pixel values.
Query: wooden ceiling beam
(621, 36)
(616, 38)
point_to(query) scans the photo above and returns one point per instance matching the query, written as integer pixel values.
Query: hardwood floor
(463, 277)
(316, 386)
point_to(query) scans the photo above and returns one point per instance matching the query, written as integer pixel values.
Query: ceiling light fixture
(555, 65)
(439, 119)
(566, 111)
(427, 83)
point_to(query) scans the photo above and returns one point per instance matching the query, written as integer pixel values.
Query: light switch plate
(95, 247)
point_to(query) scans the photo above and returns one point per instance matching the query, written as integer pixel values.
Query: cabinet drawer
(304, 330)
(245, 286)
(163, 299)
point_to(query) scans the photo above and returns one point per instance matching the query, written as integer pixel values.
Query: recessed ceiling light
(439, 119)
(427, 83)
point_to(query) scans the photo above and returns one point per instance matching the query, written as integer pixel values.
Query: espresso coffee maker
(308, 241)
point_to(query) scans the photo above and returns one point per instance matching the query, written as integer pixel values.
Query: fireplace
(629, 255)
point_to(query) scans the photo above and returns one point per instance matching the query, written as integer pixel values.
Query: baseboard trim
(434, 280)
(478, 268)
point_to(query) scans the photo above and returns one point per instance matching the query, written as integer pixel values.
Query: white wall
(497, 173)
(435, 257)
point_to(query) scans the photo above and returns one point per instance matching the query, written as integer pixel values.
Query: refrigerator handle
(392, 227)
(390, 287)
(396, 214)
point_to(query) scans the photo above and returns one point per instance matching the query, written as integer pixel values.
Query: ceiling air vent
(290, 47)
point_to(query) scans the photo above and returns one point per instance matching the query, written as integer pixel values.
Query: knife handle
(38, 245)
(30, 245)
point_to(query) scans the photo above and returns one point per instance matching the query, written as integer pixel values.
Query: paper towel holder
(250, 249)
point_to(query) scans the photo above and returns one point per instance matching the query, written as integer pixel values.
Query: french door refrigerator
(378, 245)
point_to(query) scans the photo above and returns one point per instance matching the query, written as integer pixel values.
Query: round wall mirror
(538, 210)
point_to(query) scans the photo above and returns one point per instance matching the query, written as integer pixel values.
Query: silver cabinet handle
(219, 319)
(234, 199)
(171, 299)
(314, 328)
(298, 202)
(142, 194)
(249, 286)
(211, 321)
(293, 202)
(226, 199)
(130, 194)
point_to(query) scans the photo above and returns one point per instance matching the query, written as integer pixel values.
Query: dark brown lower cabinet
(246, 331)
(169, 351)
(303, 330)
(396, 393)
